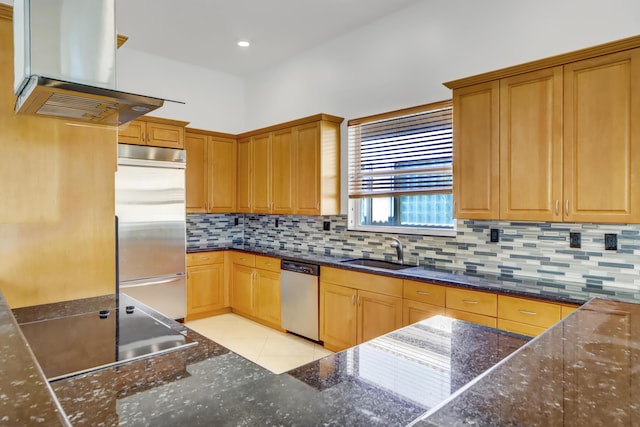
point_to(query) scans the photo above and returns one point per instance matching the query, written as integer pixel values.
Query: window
(400, 174)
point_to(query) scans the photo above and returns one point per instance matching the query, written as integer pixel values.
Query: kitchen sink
(375, 263)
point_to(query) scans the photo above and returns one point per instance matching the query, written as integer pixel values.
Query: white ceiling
(205, 32)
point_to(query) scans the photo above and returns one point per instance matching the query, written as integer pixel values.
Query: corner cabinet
(211, 172)
(553, 140)
(292, 168)
(154, 132)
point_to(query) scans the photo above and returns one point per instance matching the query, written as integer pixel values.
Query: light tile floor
(271, 349)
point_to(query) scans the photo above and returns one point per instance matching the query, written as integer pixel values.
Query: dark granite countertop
(438, 372)
(390, 380)
(503, 284)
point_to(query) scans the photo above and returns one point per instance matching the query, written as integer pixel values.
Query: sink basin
(375, 263)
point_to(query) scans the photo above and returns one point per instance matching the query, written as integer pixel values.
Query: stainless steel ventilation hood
(65, 62)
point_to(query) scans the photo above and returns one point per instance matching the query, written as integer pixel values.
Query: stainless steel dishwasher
(300, 297)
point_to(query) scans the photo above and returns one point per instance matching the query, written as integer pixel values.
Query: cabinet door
(261, 179)
(242, 289)
(531, 146)
(307, 155)
(337, 316)
(602, 139)
(196, 173)
(267, 291)
(282, 172)
(377, 315)
(165, 135)
(205, 288)
(132, 133)
(243, 174)
(222, 174)
(476, 151)
(413, 311)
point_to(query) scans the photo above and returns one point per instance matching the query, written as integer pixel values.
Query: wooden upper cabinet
(282, 172)
(531, 146)
(221, 174)
(261, 177)
(602, 139)
(211, 172)
(294, 168)
(243, 171)
(476, 151)
(153, 131)
(564, 127)
(196, 173)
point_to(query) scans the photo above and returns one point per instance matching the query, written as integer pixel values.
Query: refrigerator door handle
(155, 282)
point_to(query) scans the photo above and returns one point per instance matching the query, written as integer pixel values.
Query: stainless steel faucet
(398, 245)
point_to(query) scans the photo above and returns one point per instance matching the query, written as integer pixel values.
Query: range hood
(65, 62)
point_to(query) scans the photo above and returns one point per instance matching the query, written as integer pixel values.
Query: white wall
(213, 100)
(403, 59)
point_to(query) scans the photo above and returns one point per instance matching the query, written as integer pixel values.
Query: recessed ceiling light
(244, 43)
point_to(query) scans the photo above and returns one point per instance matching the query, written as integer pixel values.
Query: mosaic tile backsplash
(526, 250)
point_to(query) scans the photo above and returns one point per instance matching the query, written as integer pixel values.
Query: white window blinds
(409, 153)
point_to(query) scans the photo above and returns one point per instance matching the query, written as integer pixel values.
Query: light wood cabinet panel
(205, 289)
(566, 310)
(196, 183)
(424, 292)
(244, 176)
(476, 156)
(132, 133)
(282, 172)
(221, 174)
(153, 131)
(479, 319)
(602, 139)
(268, 263)
(531, 146)
(205, 284)
(338, 316)
(484, 303)
(267, 294)
(243, 258)
(261, 178)
(531, 312)
(377, 315)
(308, 169)
(413, 311)
(242, 292)
(520, 328)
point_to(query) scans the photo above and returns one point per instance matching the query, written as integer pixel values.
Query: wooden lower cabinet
(255, 288)
(414, 311)
(479, 319)
(205, 284)
(350, 316)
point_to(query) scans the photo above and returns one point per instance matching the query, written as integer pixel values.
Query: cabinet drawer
(566, 310)
(367, 282)
(520, 328)
(424, 292)
(479, 319)
(530, 312)
(472, 301)
(268, 263)
(203, 258)
(414, 311)
(243, 259)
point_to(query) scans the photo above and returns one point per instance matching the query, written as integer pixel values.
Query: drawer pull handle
(466, 301)
(422, 293)
(530, 313)
(205, 258)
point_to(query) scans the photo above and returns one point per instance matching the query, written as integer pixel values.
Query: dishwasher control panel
(300, 267)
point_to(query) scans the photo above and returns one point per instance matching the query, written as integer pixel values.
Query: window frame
(355, 204)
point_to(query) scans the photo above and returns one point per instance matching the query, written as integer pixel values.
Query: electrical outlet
(575, 240)
(277, 223)
(236, 221)
(326, 225)
(611, 242)
(495, 235)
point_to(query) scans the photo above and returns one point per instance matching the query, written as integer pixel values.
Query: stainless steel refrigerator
(150, 206)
